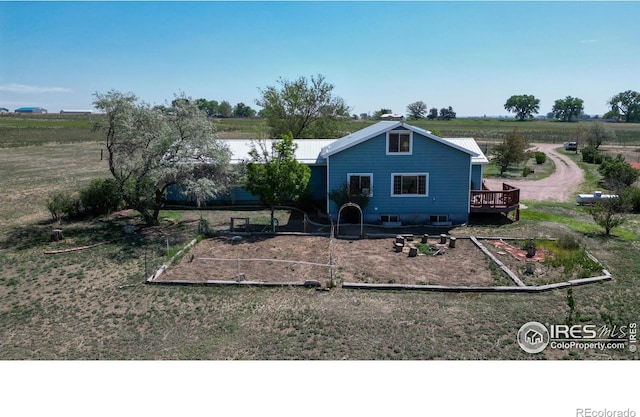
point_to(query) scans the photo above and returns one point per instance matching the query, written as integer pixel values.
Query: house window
(399, 143)
(410, 184)
(390, 218)
(360, 184)
(439, 218)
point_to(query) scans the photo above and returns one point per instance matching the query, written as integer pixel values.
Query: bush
(567, 241)
(102, 196)
(589, 154)
(62, 203)
(526, 171)
(541, 157)
(631, 198)
(617, 173)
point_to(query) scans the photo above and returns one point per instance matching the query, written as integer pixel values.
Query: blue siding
(318, 182)
(240, 196)
(448, 187)
(476, 177)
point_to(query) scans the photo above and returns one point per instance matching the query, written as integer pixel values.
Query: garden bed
(300, 259)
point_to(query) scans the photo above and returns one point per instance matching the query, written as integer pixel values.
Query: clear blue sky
(468, 55)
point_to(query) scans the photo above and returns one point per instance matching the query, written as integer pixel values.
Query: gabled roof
(372, 131)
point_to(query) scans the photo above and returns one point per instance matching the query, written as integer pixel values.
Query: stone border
(520, 287)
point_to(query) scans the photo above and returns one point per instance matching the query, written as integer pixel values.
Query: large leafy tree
(307, 108)
(625, 106)
(524, 106)
(512, 150)
(210, 107)
(568, 108)
(225, 109)
(447, 113)
(242, 110)
(417, 110)
(274, 174)
(433, 113)
(150, 150)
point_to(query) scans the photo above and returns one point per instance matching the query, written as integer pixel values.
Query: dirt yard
(296, 259)
(366, 260)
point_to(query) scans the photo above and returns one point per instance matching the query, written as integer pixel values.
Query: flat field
(93, 303)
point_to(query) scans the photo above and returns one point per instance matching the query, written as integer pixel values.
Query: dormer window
(399, 142)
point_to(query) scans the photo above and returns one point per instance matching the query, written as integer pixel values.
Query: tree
(224, 109)
(447, 114)
(274, 174)
(307, 108)
(417, 110)
(524, 106)
(512, 150)
(149, 150)
(617, 173)
(210, 107)
(598, 133)
(242, 110)
(608, 213)
(625, 106)
(433, 114)
(567, 108)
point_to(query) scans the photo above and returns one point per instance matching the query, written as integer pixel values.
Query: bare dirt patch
(365, 260)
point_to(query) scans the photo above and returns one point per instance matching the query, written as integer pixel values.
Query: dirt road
(559, 186)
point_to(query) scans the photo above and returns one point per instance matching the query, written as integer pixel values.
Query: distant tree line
(214, 109)
(625, 107)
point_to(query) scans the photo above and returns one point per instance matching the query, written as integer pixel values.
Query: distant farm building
(31, 110)
(63, 111)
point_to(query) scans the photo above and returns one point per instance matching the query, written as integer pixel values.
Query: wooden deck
(487, 201)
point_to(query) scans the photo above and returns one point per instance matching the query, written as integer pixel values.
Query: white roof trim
(372, 131)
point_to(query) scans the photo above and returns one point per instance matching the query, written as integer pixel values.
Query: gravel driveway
(559, 186)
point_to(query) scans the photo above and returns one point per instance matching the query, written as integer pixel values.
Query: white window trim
(408, 174)
(361, 174)
(410, 142)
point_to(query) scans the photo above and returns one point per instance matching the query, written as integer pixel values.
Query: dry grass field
(93, 303)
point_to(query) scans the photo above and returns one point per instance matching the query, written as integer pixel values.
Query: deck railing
(486, 200)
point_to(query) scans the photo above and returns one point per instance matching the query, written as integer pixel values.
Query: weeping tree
(151, 150)
(274, 174)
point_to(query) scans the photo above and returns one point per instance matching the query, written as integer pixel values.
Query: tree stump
(398, 247)
(413, 251)
(443, 239)
(425, 238)
(452, 242)
(531, 267)
(400, 239)
(56, 235)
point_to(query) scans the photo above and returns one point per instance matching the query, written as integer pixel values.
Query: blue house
(410, 175)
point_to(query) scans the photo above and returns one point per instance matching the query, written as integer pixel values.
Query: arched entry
(350, 204)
